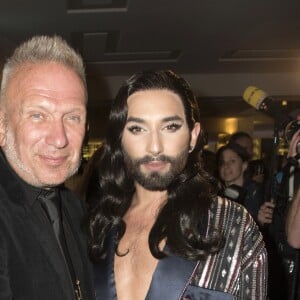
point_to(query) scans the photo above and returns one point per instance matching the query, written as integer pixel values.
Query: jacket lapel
(72, 240)
(73, 211)
(171, 278)
(45, 236)
(198, 293)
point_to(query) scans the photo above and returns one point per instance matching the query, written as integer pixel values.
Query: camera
(290, 129)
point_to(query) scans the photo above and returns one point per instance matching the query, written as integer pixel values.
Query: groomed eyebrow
(164, 120)
(134, 119)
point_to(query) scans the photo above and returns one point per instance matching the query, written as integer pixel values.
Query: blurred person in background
(232, 161)
(281, 229)
(256, 168)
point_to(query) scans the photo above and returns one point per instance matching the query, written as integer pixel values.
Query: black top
(32, 265)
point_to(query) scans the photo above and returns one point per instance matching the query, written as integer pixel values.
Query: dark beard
(155, 181)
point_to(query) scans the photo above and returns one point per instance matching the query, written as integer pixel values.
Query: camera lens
(290, 129)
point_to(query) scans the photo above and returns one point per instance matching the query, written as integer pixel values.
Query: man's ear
(2, 129)
(194, 135)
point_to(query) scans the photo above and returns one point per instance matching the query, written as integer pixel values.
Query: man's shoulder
(227, 215)
(243, 252)
(227, 207)
(73, 202)
(236, 225)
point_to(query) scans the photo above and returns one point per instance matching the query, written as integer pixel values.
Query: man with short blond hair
(42, 127)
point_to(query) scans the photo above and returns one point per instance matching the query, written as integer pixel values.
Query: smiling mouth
(52, 160)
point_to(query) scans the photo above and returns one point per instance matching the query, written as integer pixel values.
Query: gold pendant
(78, 293)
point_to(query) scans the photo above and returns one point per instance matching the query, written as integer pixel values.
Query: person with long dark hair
(158, 230)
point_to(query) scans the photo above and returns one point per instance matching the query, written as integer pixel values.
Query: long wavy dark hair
(183, 219)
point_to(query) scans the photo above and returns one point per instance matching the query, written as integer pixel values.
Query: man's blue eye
(36, 116)
(74, 118)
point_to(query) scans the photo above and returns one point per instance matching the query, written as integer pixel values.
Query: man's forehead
(160, 106)
(154, 97)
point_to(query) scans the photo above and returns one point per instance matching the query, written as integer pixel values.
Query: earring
(191, 148)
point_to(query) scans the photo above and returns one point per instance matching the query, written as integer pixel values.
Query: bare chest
(134, 270)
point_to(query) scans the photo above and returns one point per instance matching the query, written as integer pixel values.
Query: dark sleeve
(5, 290)
(254, 198)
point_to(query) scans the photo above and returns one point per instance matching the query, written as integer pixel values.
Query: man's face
(44, 115)
(156, 138)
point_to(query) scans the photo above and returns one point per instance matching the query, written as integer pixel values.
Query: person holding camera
(293, 222)
(284, 226)
(293, 216)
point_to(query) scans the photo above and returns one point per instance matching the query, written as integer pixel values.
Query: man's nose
(57, 135)
(155, 145)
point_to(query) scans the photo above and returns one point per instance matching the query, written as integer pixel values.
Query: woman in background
(232, 161)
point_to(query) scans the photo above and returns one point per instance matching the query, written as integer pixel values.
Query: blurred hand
(259, 177)
(265, 213)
